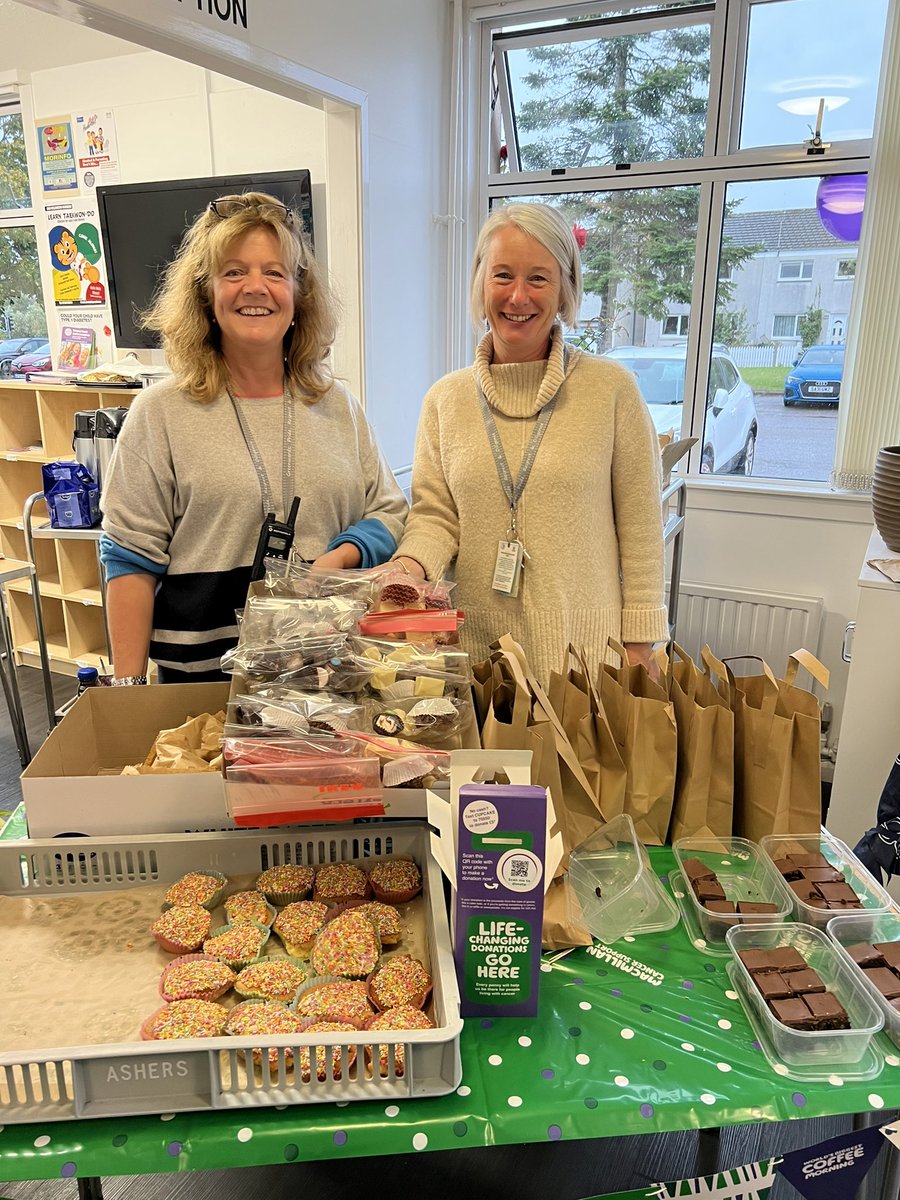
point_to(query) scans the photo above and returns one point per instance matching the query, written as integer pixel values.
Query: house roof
(784, 230)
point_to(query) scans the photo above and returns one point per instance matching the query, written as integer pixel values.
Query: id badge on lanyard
(511, 553)
(508, 568)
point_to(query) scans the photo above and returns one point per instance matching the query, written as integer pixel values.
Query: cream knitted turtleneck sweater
(589, 518)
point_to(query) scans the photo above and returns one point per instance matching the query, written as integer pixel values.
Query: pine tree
(623, 99)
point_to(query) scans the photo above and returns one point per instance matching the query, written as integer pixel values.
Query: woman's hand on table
(409, 565)
(345, 557)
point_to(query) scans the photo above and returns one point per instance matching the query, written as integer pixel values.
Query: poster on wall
(96, 148)
(76, 253)
(85, 338)
(57, 156)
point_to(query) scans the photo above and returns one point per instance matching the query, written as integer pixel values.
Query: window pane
(14, 189)
(800, 51)
(638, 261)
(769, 323)
(626, 98)
(21, 301)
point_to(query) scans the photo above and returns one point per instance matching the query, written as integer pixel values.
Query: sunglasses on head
(230, 206)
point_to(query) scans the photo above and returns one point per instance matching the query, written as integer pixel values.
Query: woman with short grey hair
(536, 477)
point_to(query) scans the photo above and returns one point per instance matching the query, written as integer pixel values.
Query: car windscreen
(660, 380)
(823, 358)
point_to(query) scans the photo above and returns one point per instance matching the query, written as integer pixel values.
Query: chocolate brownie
(709, 889)
(694, 869)
(773, 986)
(828, 1011)
(793, 1013)
(885, 980)
(804, 982)
(786, 958)
(808, 860)
(746, 907)
(720, 906)
(823, 875)
(890, 952)
(838, 893)
(803, 890)
(788, 869)
(865, 955)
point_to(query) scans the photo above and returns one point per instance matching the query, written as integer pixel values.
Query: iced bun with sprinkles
(348, 945)
(297, 926)
(395, 880)
(397, 981)
(197, 887)
(186, 1019)
(182, 928)
(338, 883)
(237, 945)
(259, 1018)
(196, 977)
(249, 906)
(286, 884)
(386, 920)
(396, 1020)
(342, 1000)
(271, 979)
(323, 1053)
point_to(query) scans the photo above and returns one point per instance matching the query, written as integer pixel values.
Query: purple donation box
(499, 899)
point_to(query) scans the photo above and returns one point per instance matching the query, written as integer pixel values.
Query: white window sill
(807, 501)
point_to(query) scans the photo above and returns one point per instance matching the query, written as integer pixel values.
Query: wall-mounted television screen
(142, 225)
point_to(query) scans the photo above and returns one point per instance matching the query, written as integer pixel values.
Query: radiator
(734, 621)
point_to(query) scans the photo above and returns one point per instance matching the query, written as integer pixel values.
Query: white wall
(393, 55)
(782, 541)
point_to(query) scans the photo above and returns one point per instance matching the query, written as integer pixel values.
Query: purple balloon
(839, 201)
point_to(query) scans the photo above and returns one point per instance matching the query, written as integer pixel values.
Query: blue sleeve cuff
(119, 561)
(372, 538)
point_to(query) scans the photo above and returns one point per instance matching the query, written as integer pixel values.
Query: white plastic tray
(126, 1078)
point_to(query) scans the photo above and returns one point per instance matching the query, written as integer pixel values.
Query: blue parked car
(815, 378)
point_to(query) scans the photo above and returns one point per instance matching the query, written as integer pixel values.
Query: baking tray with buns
(76, 953)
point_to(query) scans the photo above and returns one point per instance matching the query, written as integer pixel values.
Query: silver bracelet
(130, 681)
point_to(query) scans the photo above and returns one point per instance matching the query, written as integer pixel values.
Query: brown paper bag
(642, 720)
(517, 714)
(577, 702)
(777, 732)
(704, 722)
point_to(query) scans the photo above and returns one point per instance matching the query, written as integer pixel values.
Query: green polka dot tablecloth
(644, 1037)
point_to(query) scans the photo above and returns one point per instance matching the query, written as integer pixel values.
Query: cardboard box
(73, 784)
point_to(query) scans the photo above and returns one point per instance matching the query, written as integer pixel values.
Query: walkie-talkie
(275, 540)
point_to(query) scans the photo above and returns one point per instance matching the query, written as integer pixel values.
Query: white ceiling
(35, 41)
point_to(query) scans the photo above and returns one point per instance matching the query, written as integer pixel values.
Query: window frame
(786, 337)
(803, 275)
(25, 217)
(721, 165)
(681, 319)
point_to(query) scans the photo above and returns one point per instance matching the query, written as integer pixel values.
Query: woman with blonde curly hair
(251, 417)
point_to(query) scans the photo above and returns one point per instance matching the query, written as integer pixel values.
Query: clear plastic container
(871, 894)
(745, 873)
(857, 927)
(612, 887)
(826, 1050)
